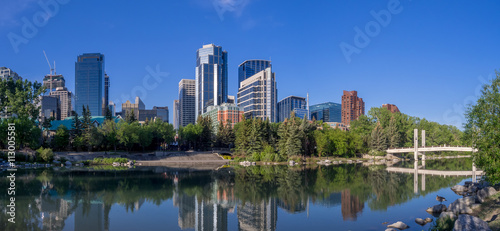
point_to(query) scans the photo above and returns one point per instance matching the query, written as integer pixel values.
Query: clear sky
(429, 58)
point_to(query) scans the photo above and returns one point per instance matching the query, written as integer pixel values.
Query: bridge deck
(434, 172)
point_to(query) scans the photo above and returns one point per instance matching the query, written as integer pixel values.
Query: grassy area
(106, 161)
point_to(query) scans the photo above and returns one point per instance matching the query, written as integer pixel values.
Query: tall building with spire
(211, 77)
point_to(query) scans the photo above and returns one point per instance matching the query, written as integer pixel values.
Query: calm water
(344, 197)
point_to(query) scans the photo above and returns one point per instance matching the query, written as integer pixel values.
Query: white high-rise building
(176, 114)
(64, 97)
(258, 96)
(187, 104)
(7, 73)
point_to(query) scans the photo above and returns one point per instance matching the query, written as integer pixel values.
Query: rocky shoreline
(462, 214)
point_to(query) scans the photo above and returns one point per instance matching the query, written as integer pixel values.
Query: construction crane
(50, 68)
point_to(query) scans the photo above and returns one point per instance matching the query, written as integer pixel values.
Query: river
(337, 197)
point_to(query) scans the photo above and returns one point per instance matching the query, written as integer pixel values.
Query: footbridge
(421, 150)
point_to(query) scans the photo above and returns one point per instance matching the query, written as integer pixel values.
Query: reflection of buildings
(294, 207)
(351, 205)
(332, 200)
(186, 206)
(205, 213)
(210, 216)
(55, 212)
(89, 217)
(260, 216)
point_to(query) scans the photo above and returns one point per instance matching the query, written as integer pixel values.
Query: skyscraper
(89, 83)
(327, 112)
(258, 95)
(176, 114)
(7, 73)
(291, 104)
(187, 105)
(105, 103)
(352, 107)
(64, 97)
(251, 67)
(52, 82)
(211, 77)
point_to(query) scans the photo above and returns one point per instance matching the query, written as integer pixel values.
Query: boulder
(445, 215)
(462, 205)
(291, 163)
(420, 221)
(468, 222)
(485, 193)
(459, 188)
(391, 229)
(427, 220)
(436, 208)
(398, 225)
(115, 164)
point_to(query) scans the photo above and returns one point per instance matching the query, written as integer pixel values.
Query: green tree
(109, 131)
(482, 129)
(61, 138)
(378, 139)
(130, 116)
(20, 98)
(128, 134)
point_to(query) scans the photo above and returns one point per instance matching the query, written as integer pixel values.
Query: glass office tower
(327, 112)
(291, 104)
(251, 67)
(89, 83)
(211, 77)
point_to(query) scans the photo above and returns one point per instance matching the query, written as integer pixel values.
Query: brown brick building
(352, 107)
(391, 107)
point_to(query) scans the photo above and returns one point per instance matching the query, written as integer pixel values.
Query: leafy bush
(442, 225)
(44, 154)
(256, 156)
(100, 161)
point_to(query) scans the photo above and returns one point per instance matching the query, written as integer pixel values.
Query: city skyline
(416, 49)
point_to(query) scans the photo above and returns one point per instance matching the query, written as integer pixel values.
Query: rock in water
(468, 222)
(420, 221)
(398, 225)
(459, 188)
(436, 209)
(391, 229)
(427, 220)
(485, 193)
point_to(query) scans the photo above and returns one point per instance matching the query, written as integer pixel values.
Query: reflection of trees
(351, 205)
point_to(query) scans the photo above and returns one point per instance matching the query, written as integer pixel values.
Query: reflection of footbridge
(434, 172)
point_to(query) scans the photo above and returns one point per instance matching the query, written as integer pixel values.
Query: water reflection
(248, 198)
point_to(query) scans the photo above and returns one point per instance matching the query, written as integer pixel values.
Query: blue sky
(429, 58)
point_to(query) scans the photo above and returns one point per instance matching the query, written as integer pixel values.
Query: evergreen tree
(108, 114)
(378, 139)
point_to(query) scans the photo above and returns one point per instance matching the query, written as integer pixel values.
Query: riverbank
(477, 210)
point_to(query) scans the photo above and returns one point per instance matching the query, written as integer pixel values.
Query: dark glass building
(89, 83)
(327, 112)
(251, 67)
(211, 77)
(105, 103)
(290, 104)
